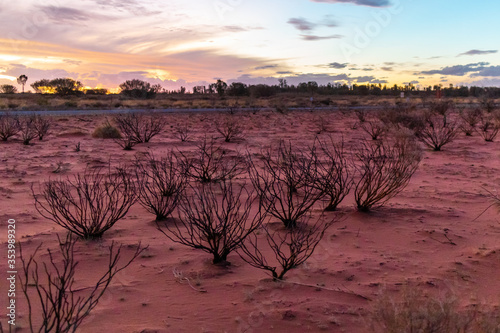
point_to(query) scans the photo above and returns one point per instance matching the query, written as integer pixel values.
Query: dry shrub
(9, 126)
(90, 203)
(211, 163)
(161, 183)
(438, 130)
(385, 169)
(107, 131)
(287, 182)
(285, 248)
(334, 177)
(139, 127)
(416, 312)
(488, 126)
(469, 120)
(215, 218)
(54, 302)
(230, 128)
(27, 129)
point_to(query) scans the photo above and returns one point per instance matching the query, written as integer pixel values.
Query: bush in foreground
(90, 204)
(54, 302)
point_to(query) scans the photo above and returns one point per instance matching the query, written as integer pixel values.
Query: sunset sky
(185, 43)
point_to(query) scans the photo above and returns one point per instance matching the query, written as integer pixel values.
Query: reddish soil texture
(434, 235)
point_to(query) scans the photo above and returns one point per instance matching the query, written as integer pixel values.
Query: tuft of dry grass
(414, 311)
(106, 131)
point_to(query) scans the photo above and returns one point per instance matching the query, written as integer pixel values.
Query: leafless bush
(27, 129)
(230, 128)
(321, 125)
(216, 218)
(49, 287)
(441, 107)
(41, 125)
(126, 142)
(9, 126)
(211, 163)
(160, 182)
(398, 117)
(488, 126)
(385, 169)
(139, 127)
(487, 104)
(469, 120)
(373, 127)
(90, 204)
(182, 132)
(361, 115)
(291, 247)
(438, 130)
(333, 175)
(416, 312)
(287, 182)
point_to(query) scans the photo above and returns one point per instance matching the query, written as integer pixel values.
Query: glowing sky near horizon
(185, 43)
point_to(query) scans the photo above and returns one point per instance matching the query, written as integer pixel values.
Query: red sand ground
(406, 242)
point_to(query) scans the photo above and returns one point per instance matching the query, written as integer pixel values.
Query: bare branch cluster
(41, 124)
(385, 169)
(438, 130)
(49, 287)
(489, 126)
(215, 218)
(9, 126)
(90, 204)
(287, 182)
(27, 129)
(230, 128)
(138, 128)
(211, 163)
(334, 176)
(469, 120)
(291, 247)
(160, 183)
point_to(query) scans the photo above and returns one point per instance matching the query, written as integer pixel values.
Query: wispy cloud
(265, 67)
(302, 24)
(477, 52)
(492, 71)
(458, 70)
(369, 3)
(337, 65)
(315, 38)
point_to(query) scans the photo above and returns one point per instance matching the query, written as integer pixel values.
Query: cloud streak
(368, 3)
(477, 52)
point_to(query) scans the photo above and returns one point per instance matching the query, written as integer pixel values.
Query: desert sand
(434, 235)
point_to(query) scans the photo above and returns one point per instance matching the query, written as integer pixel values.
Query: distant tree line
(141, 89)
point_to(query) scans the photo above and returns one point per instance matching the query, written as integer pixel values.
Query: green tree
(22, 80)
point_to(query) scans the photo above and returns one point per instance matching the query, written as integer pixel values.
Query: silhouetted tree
(8, 89)
(22, 80)
(139, 89)
(220, 87)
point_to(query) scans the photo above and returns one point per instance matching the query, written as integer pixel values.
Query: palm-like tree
(22, 80)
